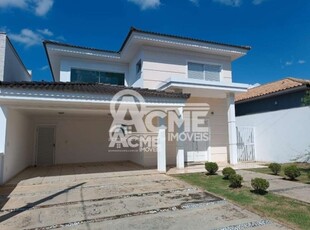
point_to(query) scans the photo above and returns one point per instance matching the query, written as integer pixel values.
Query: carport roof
(97, 88)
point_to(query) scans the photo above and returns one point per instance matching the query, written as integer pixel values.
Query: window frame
(204, 72)
(137, 63)
(96, 70)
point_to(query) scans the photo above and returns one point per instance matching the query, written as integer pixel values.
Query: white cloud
(301, 62)
(29, 37)
(234, 3)
(39, 7)
(288, 63)
(46, 32)
(146, 4)
(13, 3)
(45, 67)
(195, 2)
(258, 2)
(43, 6)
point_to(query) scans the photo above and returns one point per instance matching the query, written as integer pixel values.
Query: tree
(306, 99)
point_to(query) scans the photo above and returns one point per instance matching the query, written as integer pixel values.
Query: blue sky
(277, 30)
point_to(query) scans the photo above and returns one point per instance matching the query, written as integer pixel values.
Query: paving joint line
(251, 224)
(182, 206)
(164, 192)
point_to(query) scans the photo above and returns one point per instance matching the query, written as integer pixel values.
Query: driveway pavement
(278, 185)
(87, 198)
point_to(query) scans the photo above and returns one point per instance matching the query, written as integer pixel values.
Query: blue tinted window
(91, 76)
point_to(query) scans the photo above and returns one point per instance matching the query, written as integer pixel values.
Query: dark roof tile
(97, 88)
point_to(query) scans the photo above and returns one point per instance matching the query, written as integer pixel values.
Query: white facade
(280, 136)
(11, 66)
(81, 134)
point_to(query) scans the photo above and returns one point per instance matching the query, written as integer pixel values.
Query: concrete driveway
(102, 197)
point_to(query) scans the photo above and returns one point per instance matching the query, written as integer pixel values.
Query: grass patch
(304, 170)
(286, 210)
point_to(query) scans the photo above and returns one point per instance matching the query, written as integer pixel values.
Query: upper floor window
(92, 76)
(138, 67)
(206, 72)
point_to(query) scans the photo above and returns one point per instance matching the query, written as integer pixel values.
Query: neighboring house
(281, 121)
(11, 66)
(68, 120)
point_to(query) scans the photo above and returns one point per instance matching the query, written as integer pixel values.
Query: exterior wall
(68, 63)
(134, 79)
(11, 67)
(218, 124)
(280, 136)
(2, 55)
(273, 103)
(18, 145)
(161, 64)
(158, 65)
(82, 139)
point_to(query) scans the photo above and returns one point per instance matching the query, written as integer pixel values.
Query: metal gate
(245, 143)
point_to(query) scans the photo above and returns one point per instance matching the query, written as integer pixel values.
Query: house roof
(133, 29)
(273, 87)
(97, 88)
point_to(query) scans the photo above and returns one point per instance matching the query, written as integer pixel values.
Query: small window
(195, 71)
(138, 66)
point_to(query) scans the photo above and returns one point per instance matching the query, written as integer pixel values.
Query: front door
(196, 150)
(45, 145)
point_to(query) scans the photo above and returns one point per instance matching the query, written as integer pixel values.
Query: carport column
(161, 146)
(232, 135)
(3, 123)
(180, 144)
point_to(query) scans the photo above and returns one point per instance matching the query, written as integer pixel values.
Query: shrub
(211, 167)
(260, 185)
(275, 168)
(309, 175)
(227, 172)
(292, 172)
(235, 180)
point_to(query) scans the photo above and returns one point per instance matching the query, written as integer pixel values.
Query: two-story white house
(68, 120)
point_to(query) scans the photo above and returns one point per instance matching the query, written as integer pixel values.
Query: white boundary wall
(280, 136)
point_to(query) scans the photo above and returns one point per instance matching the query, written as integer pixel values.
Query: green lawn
(304, 169)
(294, 213)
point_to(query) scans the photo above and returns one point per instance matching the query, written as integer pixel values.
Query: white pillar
(161, 147)
(3, 122)
(232, 135)
(180, 144)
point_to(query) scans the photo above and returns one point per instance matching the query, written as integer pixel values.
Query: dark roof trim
(45, 42)
(277, 93)
(97, 88)
(133, 29)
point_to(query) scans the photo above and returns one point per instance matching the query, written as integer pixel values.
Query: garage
(64, 123)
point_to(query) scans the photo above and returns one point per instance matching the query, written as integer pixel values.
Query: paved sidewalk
(278, 185)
